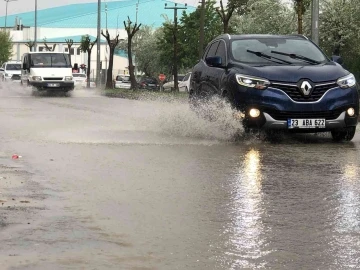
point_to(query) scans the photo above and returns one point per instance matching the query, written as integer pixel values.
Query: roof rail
(223, 35)
(299, 35)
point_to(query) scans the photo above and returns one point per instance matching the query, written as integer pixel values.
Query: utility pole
(35, 36)
(202, 22)
(315, 21)
(98, 80)
(6, 14)
(175, 69)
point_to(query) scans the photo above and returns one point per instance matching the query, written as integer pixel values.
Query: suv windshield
(13, 67)
(284, 50)
(50, 60)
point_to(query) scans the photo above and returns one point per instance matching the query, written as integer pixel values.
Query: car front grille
(285, 115)
(15, 77)
(295, 94)
(53, 78)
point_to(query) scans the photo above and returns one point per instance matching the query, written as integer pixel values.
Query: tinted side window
(221, 51)
(212, 49)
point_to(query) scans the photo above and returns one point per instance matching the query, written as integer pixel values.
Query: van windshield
(50, 60)
(13, 67)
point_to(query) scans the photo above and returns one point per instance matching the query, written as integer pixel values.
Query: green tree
(86, 45)
(147, 52)
(240, 6)
(188, 37)
(5, 46)
(265, 17)
(340, 31)
(300, 7)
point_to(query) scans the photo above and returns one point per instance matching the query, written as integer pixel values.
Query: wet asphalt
(107, 183)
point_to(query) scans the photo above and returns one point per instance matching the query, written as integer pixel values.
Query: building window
(72, 52)
(78, 51)
(66, 50)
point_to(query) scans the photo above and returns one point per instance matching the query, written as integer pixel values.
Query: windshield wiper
(297, 56)
(270, 58)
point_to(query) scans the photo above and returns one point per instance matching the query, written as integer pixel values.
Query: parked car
(11, 71)
(148, 83)
(122, 81)
(184, 84)
(80, 80)
(279, 83)
(169, 85)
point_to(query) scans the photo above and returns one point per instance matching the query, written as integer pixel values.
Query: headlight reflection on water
(247, 233)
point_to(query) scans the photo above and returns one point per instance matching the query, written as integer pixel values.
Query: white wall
(66, 32)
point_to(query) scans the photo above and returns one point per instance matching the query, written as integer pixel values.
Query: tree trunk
(109, 79)
(131, 66)
(226, 26)
(300, 19)
(88, 70)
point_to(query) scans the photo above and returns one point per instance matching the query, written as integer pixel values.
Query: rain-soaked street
(107, 183)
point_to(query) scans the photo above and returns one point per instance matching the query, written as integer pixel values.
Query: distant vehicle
(149, 83)
(47, 71)
(122, 81)
(80, 80)
(11, 71)
(184, 85)
(277, 82)
(169, 86)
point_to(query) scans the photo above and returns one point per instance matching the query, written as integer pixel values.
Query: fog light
(351, 111)
(254, 113)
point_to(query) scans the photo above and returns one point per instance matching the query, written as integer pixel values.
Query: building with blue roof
(73, 21)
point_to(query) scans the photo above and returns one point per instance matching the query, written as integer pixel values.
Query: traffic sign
(162, 77)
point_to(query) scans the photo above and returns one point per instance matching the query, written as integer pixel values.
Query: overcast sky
(19, 6)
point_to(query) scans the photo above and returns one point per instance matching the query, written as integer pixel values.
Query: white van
(11, 71)
(51, 71)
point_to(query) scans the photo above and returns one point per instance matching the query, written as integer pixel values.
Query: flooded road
(118, 184)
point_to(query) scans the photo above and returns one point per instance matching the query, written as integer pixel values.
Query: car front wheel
(346, 134)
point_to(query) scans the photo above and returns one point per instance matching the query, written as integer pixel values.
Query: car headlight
(252, 82)
(347, 81)
(7, 75)
(68, 78)
(36, 78)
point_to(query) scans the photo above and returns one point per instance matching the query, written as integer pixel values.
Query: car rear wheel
(346, 134)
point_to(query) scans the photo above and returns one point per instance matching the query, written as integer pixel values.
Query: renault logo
(306, 88)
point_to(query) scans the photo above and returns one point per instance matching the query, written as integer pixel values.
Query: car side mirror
(214, 61)
(337, 59)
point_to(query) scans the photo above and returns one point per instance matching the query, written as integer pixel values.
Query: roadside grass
(146, 95)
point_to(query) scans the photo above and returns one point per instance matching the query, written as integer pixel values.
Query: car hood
(291, 73)
(17, 72)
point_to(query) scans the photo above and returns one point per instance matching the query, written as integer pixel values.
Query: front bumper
(276, 108)
(53, 85)
(12, 78)
(341, 122)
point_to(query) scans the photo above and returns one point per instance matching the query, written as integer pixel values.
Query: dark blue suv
(279, 83)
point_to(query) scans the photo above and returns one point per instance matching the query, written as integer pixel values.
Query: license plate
(306, 123)
(53, 84)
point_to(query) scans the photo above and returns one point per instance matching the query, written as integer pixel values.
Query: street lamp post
(315, 21)
(98, 45)
(7, 2)
(35, 36)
